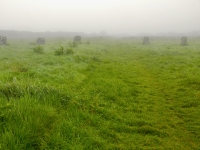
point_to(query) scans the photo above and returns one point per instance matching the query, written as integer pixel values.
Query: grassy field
(109, 94)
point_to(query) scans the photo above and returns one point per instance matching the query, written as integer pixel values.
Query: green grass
(108, 94)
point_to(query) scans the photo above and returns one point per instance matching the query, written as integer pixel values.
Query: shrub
(59, 51)
(62, 51)
(69, 51)
(38, 49)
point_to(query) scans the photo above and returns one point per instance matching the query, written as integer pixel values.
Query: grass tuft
(38, 49)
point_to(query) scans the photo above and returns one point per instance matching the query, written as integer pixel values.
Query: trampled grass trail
(171, 101)
(162, 106)
(146, 100)
(110, 94)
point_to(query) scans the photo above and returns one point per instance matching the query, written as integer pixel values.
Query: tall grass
(110, 94)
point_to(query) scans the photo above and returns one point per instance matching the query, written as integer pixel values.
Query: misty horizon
(111, 17)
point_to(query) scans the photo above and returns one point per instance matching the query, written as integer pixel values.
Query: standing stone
(77, 39)
(3, 40)
(184, 41)
(40, 41)
(145, 40)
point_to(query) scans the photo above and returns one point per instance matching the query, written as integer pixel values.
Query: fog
(93, 16)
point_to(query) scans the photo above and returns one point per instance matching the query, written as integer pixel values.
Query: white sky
(114, 16)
